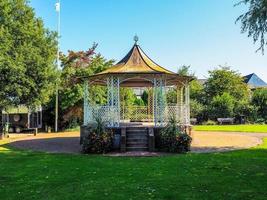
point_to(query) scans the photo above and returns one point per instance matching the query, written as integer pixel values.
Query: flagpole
(58, 64)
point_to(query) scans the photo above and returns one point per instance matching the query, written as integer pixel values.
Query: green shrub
(209, 122)
(173, 139)
(222, 106)
(99, 140)
(259, 100)
(260, 121)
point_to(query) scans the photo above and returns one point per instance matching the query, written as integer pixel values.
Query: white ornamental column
(159, 101)
(86, 105)
(180, 102)
(113, 84)
(187, 103)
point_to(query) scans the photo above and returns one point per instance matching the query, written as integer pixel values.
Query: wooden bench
(225, 120)
(193, 121)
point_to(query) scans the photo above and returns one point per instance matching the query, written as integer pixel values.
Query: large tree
(259, 100)
(27, 55)
(225, 80)
(254, 21)
(75, 66)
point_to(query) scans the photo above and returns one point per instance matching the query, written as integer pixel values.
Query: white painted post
(86, 106)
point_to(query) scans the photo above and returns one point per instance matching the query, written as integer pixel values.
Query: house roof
(136, 61)
(254, 81)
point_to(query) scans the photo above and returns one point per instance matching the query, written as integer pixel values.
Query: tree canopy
(76, 66)
(225, 80)
(259, 99)
(27, 55)
(254, 21)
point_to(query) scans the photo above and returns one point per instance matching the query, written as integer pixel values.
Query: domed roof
(136, 61)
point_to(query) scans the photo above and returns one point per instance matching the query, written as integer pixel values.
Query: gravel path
(203, 142)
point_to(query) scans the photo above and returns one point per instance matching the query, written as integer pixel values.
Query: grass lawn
(235, 128)
(233, 175)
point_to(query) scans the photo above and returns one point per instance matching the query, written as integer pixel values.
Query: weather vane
(136, 39)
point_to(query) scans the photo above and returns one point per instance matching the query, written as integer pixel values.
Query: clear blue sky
(200, 33)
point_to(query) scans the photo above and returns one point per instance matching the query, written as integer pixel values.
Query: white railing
(113, 116)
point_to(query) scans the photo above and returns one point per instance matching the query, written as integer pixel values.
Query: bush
(260, 121)
(99, 140)
(172, 139)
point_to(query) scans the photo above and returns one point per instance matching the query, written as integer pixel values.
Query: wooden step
(136, 132)
(137, 148)
(137, 140)
(144, 137)
(139, 145)
(144, 142)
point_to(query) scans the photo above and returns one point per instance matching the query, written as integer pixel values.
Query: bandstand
(137, 70)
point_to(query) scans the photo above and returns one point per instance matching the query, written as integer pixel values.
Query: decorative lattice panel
(113, 85)
(86, 106)
(136, 113)
(160, 102)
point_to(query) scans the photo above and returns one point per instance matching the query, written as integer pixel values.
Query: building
(254, 81)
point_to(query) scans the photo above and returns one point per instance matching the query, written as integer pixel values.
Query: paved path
(224, 141)
(202, 142)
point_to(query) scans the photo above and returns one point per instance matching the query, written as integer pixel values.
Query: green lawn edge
(232, 128)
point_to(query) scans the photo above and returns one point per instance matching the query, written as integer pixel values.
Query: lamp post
(57, 5)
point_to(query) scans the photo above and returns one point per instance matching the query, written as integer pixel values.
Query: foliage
(254, 21)
(173, 139)
(27, 55)
(75, 67)
(139, 102)
(260, 121)
(145, 96)
(222, 106)
(99, 140)
(171, 95)
(127, 97)
(197, 91)
(196, 109)
(184, 70)
(259, 100)
(225, 80)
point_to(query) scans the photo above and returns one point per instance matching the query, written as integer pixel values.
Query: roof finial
(136, 39)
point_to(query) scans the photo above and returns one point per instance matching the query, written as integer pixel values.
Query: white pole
(58, 64)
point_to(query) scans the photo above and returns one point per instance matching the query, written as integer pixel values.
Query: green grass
(233, 175)
(255, 128)
(75, 129)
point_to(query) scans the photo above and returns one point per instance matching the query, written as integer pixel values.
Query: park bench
(225, 120)
(193, 121)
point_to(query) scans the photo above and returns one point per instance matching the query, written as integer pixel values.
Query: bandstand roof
(137, 68)
(136, 61)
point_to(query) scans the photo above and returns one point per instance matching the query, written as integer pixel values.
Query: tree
(259, 100)
(197, 91)
(27, 55)
(254, 21)
(222, 106)
(196, 109)
(225, 80)
(127, 97)
(76, 66)
(184, 70)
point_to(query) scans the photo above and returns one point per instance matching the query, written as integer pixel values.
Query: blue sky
(200, 33)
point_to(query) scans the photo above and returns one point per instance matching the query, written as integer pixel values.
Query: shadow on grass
(238, 174)
(51, 145)
(71, 145)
